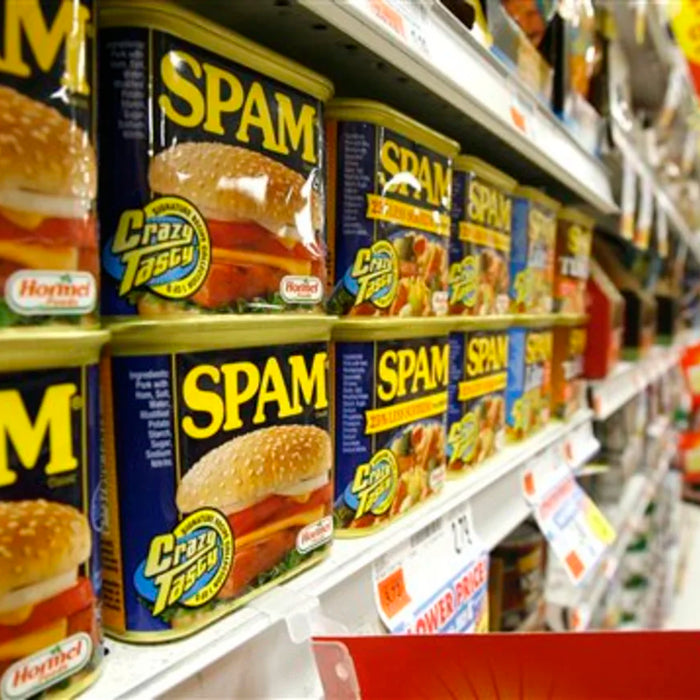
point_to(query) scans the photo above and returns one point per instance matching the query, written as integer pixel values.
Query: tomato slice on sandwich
(62, 606)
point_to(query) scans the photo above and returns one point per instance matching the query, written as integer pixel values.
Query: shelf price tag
(580, 444)
(645, 216)
(578, 533)
(407, 19)
(437, 581)
(629, 197)
(522, 112)
(661, 231)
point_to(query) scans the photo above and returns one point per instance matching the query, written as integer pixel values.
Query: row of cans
(232, 451)
(229, 183)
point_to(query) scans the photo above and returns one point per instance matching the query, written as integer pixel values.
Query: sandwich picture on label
(265, 222)
(270, 484)
(48, 184)
(43, 597)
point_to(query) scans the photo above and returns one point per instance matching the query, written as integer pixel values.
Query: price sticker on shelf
(393, 597)
(661, 231)
(435, 582)
(580, 445)
(543, 471)
(645, 216)
(629, 197)
(522, 112)
(407, 19)
(578, 533)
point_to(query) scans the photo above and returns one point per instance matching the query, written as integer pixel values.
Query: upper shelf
(438, 74)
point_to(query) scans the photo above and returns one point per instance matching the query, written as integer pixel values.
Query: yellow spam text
(489, 206)
(217, 101)
(51, 426)
(62, 37)
(414, 175)
(217, 394)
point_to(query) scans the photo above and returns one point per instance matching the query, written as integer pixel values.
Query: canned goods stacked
(221, 412)
(221, 421)
(50, 576)
(390, 184)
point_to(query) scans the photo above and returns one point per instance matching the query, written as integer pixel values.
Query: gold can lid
(369, 330)
(538, 196)
(486, 172)
(197, 332)
(167, 17)
(468, 324)
(344, 109)
(575, 216)
(49, 347)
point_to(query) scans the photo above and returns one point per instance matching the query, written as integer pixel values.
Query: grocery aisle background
(368, 319)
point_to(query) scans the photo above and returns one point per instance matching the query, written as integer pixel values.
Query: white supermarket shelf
(438, 73)
(638, 493)
(228, 658)
(629, 379)
(644, 171)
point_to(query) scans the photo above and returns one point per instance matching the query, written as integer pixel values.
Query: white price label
(578, 533)
(543, 471)
(407, 19)
(437, 582)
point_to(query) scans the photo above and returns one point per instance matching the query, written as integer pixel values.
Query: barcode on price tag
(436, 580)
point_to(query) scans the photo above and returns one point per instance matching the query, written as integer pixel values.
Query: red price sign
(393, 596)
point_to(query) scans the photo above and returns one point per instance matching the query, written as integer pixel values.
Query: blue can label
(479, 247)
(218, 479)
(389, 254)
(532, 261)
(223, 206)
(529, 381)
(50, 509)
(476, 413)
(390, 419)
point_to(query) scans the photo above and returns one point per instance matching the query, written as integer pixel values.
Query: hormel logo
(50, 292)
(301, 289)
(35, 673)
(315, 534)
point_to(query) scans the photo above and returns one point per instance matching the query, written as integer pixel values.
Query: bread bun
(230, 183)
(39, 540)
(254, 465)
(43, 151)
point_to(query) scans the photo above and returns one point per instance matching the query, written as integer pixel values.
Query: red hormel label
(301, 289)
(31, 675)
(50, 292)
(315, 534)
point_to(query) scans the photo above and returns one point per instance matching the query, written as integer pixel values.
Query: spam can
(568, 382)
(221, 142)
(480, 240)
(50, 513)
(532, 252)
(528, 393)
(390, 390)
(48, 181)
(574, 241)
(218, 467)
(477, 395)
(390, 182)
